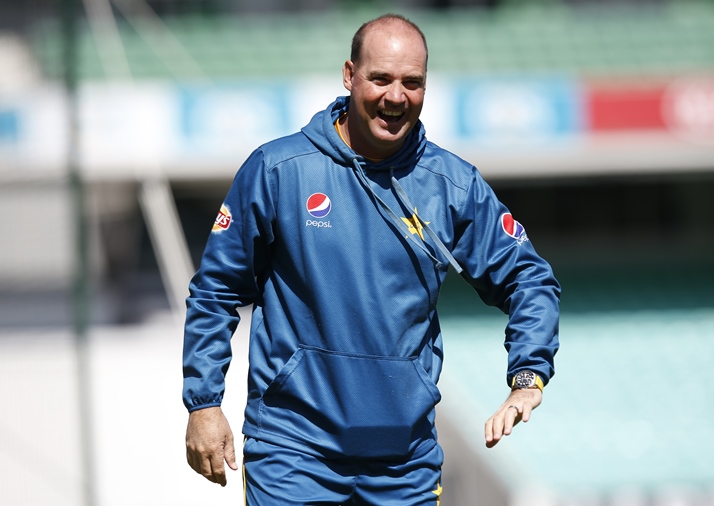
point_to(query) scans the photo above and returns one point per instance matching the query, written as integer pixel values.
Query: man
(340, 236)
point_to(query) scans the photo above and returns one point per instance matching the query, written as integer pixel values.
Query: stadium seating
(631, 376)
(674, 37)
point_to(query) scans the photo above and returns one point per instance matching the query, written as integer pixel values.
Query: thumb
(229, 452)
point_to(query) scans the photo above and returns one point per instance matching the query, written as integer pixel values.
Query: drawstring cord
(359, 170)
(439, 244)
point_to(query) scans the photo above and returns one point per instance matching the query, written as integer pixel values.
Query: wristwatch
(527, 379)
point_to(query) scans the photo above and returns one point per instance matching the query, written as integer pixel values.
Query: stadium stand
(627, 407)
(600, 39)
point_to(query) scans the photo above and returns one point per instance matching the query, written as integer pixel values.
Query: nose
(395, 94)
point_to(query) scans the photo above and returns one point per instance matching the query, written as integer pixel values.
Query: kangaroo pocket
(351, 405)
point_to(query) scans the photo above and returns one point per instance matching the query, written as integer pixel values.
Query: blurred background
(122, 123)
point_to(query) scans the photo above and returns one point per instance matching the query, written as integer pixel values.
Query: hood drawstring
(359, 170)
(439, 244)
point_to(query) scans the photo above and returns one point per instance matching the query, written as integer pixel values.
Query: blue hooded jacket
(343, 259)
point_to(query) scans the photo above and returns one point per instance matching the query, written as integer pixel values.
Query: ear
(348, 73)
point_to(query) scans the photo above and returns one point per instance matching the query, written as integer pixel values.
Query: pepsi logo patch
(319, 205)
(223, 220)
(513, 228)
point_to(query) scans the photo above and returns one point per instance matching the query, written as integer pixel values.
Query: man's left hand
(518, 407)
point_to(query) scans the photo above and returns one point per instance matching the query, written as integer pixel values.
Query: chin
(388, 135)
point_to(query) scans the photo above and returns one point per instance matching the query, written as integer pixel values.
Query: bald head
(389, 22)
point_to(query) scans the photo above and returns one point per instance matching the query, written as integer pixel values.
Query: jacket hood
(321, 132)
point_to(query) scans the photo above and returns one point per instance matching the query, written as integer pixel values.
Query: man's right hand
(209, 441)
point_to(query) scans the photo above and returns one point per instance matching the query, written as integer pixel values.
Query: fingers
(209, 464)
(226, 452)
(511, 418)
(230, 454)
(501, 424)
(190, 459)
(526, 414)
(217, 470)
(518, 407)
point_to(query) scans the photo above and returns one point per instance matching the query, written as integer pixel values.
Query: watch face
(524, 379)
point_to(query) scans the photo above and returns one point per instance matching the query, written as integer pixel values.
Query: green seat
(532, 37)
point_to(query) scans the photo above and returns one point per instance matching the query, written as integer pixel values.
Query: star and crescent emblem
(414, 224)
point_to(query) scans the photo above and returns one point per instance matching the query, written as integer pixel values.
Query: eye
(413, 84)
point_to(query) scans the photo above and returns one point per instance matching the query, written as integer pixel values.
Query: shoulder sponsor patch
(513, 228)
(223, 220)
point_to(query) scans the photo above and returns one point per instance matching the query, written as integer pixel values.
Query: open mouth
(391, 117)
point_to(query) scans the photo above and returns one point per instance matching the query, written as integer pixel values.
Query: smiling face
(387, 86)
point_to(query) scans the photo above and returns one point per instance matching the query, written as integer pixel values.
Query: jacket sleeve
(234, 262)
(501, 263)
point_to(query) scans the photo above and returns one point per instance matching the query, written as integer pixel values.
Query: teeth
(392, 113)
